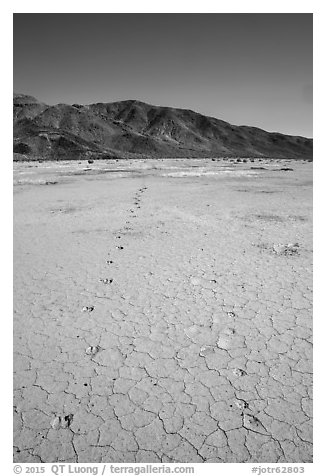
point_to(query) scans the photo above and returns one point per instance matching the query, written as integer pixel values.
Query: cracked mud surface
(155, 322)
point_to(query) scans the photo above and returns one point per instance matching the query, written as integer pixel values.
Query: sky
(247, 69)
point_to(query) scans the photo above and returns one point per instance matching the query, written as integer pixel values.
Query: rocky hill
(127, 129)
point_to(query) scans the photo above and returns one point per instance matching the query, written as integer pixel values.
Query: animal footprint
(92, 350)
(88, 309)
(242, 404)
(61, 422)
(229, 331)
(106, 281)
(239, 372)
(66, 420)
(56, 423)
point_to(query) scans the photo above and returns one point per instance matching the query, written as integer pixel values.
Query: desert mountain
(136, 129)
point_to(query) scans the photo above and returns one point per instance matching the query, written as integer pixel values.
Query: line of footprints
(250, 421)
(93, 350)
(64, 421)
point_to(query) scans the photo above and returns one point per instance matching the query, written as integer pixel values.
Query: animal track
(88, 309)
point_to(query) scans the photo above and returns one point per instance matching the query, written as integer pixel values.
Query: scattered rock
(119, 247)
(231, 314)
(262, 246)
(287, 249)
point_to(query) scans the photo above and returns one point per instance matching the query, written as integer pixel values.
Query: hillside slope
(136, 129)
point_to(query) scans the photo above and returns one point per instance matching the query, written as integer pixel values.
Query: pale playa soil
(204, 335)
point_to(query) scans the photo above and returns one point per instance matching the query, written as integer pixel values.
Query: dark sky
(252, 69)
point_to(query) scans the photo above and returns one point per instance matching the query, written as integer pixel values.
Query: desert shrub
(22, 148)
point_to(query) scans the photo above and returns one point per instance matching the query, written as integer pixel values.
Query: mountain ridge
(134, 129)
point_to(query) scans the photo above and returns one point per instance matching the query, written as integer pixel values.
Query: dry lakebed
(163, 311)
